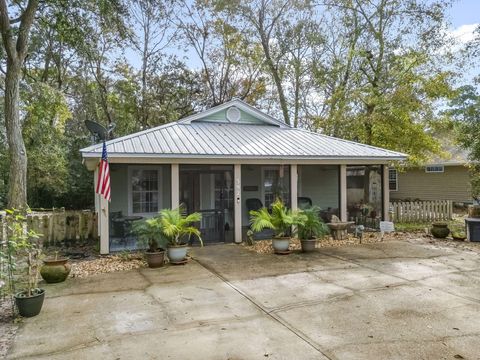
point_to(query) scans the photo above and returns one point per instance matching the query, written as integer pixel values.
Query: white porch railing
(421, 211)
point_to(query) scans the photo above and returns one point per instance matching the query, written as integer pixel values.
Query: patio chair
(121, 231)
(304, 202)
(253, 204)
(114, 215)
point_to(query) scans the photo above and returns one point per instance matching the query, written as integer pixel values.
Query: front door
(208, 189)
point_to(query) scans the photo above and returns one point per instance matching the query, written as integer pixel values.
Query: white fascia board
(155, 158)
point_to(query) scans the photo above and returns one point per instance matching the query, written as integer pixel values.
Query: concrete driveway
(392, 300)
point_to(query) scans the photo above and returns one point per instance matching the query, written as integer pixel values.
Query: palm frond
(175, 224)
(195, 217)
(260, 220)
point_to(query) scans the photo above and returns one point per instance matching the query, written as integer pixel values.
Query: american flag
(103, 183)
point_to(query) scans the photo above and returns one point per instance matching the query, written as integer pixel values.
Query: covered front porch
(224, 193)
(228, 160)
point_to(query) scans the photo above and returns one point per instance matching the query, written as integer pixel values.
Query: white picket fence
(421, 211)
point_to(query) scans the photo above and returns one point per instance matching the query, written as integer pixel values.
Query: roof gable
(234, 111)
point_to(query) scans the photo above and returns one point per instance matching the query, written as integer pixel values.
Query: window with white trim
(144, 191)
(434, 169)
(392, 180)
(276, 184)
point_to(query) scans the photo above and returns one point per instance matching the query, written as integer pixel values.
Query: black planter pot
(440, 230)
(29, 306)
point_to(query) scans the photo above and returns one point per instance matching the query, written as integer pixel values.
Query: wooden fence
(59, 226)
(421, 211)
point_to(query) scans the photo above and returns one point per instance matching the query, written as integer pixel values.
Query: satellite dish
(111, 127)
(99, 132)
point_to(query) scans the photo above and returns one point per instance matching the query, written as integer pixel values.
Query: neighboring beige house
(439, 180)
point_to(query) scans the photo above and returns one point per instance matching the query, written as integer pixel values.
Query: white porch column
(237, 178)
(175, 186)
(104, 229)
(95, 195)
(102, 208)
(386, 194)
(343, 192)
(294, 186)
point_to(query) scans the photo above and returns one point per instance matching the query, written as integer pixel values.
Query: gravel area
(107, 264)
(265, 246)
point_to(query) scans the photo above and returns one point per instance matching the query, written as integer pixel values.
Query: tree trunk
(17, 192)
(275, 73)
(281, 94)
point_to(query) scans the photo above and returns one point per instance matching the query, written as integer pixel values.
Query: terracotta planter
(155, 259)
(281, 244)
(55, 270)
(29, 306)
(308, 245)
(440, 230)
(177, 253)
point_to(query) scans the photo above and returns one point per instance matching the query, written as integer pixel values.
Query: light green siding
(119, 188)
(453, 184)
(220, 116)
(320, 184)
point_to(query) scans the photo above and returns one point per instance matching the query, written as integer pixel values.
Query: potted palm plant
(26, 250)
(152, 240)
(280, 220)
(311, 229)
(177, 227)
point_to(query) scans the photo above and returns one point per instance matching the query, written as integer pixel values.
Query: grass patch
(416, 226)
(411, 227)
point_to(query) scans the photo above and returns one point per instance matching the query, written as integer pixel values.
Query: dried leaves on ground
(8, 327)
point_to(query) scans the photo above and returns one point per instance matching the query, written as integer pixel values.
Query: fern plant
(312, 226)
(149, 234)
(280, 220)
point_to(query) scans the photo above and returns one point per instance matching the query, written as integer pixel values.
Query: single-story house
(440, 179)
(228, 160)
